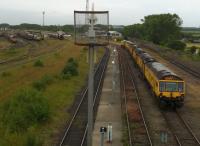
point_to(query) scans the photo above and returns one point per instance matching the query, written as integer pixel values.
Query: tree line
(23, 26)
(162, 29)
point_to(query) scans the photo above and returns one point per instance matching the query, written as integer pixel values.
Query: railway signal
(91, 34)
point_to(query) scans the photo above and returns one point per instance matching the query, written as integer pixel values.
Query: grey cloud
(121, 11)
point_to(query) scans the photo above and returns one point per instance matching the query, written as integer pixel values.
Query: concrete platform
(109, 110)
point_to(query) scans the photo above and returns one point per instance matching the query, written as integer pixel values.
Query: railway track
(26, 56)
(176, 63)
(183, 134)
(181, 130)
(131, 103)
(76, 130)
(185, 68)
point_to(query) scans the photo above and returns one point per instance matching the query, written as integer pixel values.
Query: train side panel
(152, 80)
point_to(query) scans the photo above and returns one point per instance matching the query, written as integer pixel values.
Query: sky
(122, 12)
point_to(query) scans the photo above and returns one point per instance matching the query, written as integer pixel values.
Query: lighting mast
(43, 13)
(87, 9)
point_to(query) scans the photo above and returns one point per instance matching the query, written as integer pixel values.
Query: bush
(70, 69)
(177, 45)
(25, 109)
(72, 61)
(66, 76)
(38, 63)
(193, 49)
(42, 83)
(57, 55)
(33, 140)
(5, 74)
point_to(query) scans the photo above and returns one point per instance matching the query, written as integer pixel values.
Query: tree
(177, 45)
(162, 28)
(135, 30)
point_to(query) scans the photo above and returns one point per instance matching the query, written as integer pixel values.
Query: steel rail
(96, 95)
(140, 107)
(122, 68)
(79, 105)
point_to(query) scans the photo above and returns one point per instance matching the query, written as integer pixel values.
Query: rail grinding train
(168, 87)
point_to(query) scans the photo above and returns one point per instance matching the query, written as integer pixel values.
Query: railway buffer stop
(91, 29)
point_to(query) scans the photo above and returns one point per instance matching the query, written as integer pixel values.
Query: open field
(28, 48)
(193, 33)
(4, 43)
(193, 44)
(59, 93)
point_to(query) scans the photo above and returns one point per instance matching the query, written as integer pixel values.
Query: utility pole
(92, 21)
(43, 13)
(87, 16)
(90, 36)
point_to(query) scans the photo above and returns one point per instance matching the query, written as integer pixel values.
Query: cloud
(121, 11)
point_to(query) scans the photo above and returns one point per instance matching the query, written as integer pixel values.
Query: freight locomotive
(168, 87)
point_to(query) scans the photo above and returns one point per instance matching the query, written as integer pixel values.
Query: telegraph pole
(90, 36)
(87, 9)
(91, 79)
(43, 13)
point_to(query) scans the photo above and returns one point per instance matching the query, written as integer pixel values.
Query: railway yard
(99, 73)
(123, 96)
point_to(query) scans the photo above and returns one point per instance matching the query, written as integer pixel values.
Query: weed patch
(42, 83)
(38, 63)
(5, 74)
(28, 107)
(33, 140)
(70, 69)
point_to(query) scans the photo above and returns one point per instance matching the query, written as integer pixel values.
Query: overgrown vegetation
(27, 108)
(58, 94)
(177, 45)
(38, 63)
(70, 69)
(33, 140)
(42, 83)
(5, 74)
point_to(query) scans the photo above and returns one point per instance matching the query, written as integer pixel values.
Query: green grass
(15, 51)
(58, 93)
(4, 43)
(38, 63)
(27, 107)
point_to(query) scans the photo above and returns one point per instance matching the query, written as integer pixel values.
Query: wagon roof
(162, 71)
(147, 58)
(139, 50)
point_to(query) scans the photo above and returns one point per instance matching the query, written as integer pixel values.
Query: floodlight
(91, 28)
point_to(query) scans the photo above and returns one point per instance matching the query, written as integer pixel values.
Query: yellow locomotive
(166, 85)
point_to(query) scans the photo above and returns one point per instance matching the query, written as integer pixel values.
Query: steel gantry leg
(90, 95)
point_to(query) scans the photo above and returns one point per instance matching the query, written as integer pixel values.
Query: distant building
(197, 51)
(196, 41)
(4, 28)
(118, 26)
(115, 34)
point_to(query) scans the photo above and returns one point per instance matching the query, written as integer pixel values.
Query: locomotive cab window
(162, 86)
(171, 86)
(180, 87)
